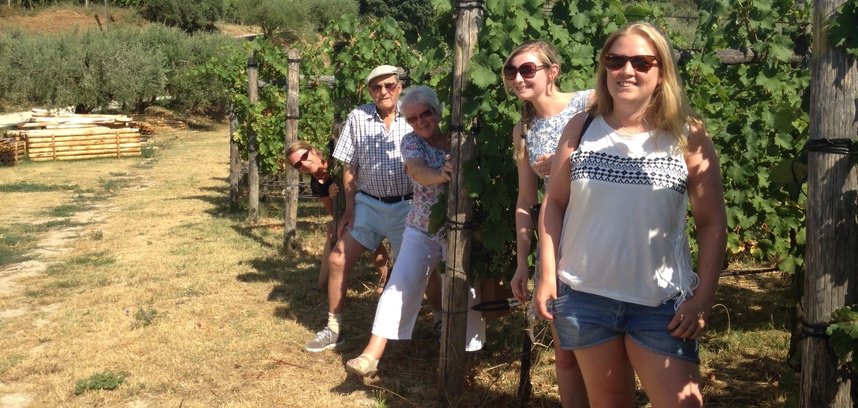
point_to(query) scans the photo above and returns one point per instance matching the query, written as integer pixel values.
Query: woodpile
(72, 137)
(12, 150)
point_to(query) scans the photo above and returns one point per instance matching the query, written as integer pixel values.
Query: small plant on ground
(15, 243)
(105, 380)
(148, 151)
(143, 317)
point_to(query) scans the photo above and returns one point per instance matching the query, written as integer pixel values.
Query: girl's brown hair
(547, 55)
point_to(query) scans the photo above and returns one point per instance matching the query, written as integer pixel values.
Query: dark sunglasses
(527, 70)
(423, 115)
(640, 63)
(390, 86)
(300, 163)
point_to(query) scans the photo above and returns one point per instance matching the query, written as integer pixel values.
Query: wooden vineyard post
(460, 211)
(832, 230)
(234, 163)
(290, 209)
(335, 134)
(252, 148)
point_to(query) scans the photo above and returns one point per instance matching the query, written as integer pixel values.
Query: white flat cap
(381, 70)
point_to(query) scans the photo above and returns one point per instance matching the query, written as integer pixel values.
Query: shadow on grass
(408, 372)
(753, 302)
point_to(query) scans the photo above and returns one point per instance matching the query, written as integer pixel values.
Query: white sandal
(363, 365)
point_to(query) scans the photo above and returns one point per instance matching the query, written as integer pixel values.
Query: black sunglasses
(640, 63)
(300, 163)
(527, 70)
(390, 86)
(423, 115)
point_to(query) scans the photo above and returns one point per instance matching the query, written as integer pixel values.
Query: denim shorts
(376, 220)
(585, 320)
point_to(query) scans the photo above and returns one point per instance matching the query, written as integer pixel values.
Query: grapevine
(755, 113)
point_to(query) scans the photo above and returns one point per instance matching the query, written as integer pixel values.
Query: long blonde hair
(668, 109)
(547, 55)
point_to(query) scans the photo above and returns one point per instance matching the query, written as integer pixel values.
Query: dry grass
(146, 272)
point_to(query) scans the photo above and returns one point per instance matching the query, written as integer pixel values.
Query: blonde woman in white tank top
(616, 274)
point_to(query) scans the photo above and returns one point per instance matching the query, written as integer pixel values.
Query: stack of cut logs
(12, 150)
(70, 137)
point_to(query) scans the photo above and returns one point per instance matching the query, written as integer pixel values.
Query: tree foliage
(124, 69)
(292, 20)
(754, 112)
(842, 32)
(413, 16)
(190, 16)
(757, 116)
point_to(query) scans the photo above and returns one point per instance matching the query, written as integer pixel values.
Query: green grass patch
(28, 187)
(144, 317)
(54, 224)
(105, 380)
(111, 186)
(15, 244)
(65, 210)
(62, 284)
(95, 259)
(148, 151)
(10, 361)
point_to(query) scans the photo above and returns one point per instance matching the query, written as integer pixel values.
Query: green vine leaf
(842, 31)
(843, 330)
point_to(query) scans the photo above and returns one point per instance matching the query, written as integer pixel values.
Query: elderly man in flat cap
(377, 191)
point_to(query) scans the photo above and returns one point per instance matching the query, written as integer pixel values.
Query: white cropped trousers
(400, 302)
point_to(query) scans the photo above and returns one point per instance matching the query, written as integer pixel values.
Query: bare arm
(527, 189)
(706, 195)
(328, 202)
(350, 187)
(551, 215)
(422, 174)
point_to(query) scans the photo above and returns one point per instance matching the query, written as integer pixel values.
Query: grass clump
(105, 380)
(148, 151)
(29, 187)
(65, 210)
(9, 362)
(144, 317)
(95, 259)
(14, 244)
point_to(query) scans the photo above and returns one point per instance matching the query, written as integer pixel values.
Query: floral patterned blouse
(543, 134)
(414, 146)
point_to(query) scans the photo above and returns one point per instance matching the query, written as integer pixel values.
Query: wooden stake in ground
(252, 149)
(832, 230)
(460, 211)
(290, 209)
(234, 163)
